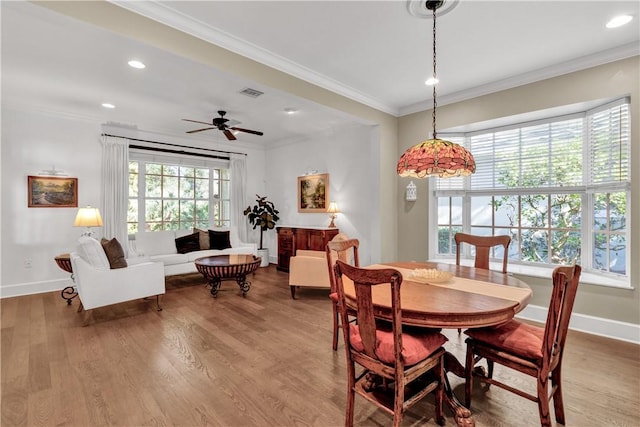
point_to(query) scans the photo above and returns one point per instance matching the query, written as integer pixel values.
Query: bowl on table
(429, 275)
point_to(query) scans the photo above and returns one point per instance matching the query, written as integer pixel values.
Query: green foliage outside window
(177, 197)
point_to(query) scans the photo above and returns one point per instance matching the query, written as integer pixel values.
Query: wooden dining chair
(483, 245)
(391, 360)
(346, 250)
(533, 350)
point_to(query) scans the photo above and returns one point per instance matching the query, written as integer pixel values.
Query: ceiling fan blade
(196, 121)
(199, 130)
(229, 134)
(255, 132)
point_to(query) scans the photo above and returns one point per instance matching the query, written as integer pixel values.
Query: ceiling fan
(220, 123)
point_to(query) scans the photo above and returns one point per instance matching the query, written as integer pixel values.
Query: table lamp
(333, 210)
(88, 217)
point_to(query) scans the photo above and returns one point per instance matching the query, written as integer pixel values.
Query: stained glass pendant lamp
(436, 157)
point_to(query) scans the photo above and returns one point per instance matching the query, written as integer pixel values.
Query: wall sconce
(88, 217)
(411, 192)
(333, 210)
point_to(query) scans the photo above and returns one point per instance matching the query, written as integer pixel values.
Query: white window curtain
(238, 167)
(115, 188)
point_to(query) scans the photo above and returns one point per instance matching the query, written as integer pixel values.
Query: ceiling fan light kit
(220, 123)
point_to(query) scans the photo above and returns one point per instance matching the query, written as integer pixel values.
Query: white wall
(32, 142)
(348, 155)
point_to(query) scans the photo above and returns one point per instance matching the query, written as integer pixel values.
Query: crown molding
(175, 19)
(168, 16)
(578, 64)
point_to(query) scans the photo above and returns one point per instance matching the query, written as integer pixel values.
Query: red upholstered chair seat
(518, 338)
(415, 348)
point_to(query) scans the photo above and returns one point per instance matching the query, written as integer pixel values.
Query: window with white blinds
(560, 187)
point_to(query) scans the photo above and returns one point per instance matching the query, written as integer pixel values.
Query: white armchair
(98, 287)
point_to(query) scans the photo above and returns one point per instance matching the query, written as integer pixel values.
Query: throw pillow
(188, 243)
(219, 240)
(115, 253)
(204, 238)
(92, 252)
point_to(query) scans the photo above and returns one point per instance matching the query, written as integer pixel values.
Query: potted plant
(263, 215)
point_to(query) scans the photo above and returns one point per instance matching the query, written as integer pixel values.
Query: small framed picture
(313, 193)
(52, 192)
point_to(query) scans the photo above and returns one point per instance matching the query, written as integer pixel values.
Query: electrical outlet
(27, 263)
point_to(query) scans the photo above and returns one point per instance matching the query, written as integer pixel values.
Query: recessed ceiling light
(431, 81)
(107, 105)
(136, 64)
(619, 21)
(290, 110)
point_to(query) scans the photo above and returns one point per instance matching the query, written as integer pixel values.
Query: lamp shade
(88, 217)
(436, 157)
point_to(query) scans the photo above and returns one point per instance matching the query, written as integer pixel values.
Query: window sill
(545, 272)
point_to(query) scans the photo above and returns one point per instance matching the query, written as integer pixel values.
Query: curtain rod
(173, 145)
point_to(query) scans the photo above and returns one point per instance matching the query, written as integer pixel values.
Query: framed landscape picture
(313, 193)
(52, 192)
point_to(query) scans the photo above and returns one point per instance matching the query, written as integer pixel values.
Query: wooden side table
(70, 292)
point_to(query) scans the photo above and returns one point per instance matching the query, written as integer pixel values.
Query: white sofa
(160, 246)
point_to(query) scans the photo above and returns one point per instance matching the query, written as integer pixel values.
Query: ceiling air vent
(253, 93)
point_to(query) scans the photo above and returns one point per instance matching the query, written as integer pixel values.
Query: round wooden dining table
(472, 298)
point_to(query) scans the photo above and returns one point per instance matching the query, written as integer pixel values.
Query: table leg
(68, 294)
(215, 286)
(461, 414)
(244, 284)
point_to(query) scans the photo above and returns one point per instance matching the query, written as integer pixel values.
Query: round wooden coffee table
(227, 267)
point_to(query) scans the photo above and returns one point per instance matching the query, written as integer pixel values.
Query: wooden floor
(263, 360)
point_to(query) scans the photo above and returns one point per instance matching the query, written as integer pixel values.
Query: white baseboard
(580, 322)
(592, 325)
(22, 289)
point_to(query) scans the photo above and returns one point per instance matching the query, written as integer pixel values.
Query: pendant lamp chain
(435, 77)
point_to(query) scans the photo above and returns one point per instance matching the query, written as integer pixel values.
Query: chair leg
(336, 326)
(543, 400)
(293, 292)
(440, 394)
(398, 404)
(558, 403)
(351, 394)
(459, 331)
(158, 308)
(87, 317)
(468, 375)
(489, 370)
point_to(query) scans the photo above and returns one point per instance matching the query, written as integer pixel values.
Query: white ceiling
(372, 51)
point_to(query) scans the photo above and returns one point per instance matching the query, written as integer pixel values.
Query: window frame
(219, 188)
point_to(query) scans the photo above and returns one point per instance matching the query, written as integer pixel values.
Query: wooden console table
(292, 238)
